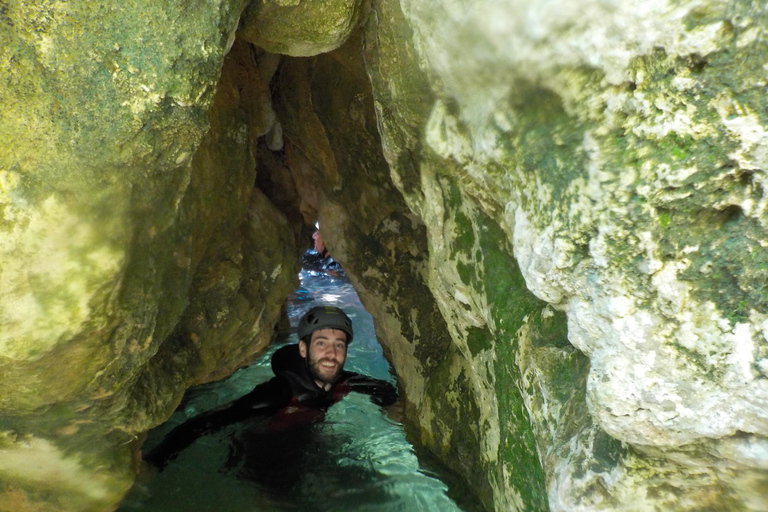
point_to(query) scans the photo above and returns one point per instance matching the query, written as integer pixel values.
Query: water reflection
(357, 459)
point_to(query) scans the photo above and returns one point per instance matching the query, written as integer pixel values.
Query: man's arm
(382, 393)
(265, 398)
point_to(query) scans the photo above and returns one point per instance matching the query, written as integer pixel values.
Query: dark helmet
(325, 317)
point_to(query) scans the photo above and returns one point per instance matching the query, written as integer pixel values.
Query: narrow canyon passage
(557, 218)
(357, 458)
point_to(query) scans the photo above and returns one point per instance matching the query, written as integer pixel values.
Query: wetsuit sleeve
(381, 392)
(265, 398)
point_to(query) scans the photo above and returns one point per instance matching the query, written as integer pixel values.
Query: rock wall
(556, 214)
(618, 152)
(609, 158)
(446, 372)
(133, 246)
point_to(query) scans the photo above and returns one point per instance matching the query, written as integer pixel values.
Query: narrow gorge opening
(356, 458)
(479, 172)
(317, 156)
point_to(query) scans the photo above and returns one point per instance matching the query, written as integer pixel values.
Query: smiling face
(325, 356)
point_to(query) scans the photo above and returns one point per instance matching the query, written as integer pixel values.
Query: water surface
(357, 459)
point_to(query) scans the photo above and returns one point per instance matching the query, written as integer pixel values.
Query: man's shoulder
(345, 376)
(287, 359)
(276, 392)
(380, 391)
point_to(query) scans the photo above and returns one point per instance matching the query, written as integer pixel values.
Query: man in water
(309, 378)
(318, 258)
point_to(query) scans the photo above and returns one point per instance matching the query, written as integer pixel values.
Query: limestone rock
(620, 148)
(302, 28)
(96, 130)
(126, 179)
(444, 362)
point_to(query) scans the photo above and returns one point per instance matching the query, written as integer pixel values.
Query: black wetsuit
(291, 397)
(320, 262)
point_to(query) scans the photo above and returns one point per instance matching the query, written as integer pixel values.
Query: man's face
(327, 353)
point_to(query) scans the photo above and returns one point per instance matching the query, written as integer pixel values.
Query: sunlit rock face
(618, 150)
(301, 28)
(128, 229)
(610, 158)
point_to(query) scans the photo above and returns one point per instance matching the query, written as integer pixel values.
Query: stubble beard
(316, 373)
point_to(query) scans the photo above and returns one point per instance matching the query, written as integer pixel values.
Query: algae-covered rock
(620, 149)
(462, 407)
(98, 136)
(126, 180)
(606, 173)
(301, 28)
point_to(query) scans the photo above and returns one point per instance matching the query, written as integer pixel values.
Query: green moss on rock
(301, 29)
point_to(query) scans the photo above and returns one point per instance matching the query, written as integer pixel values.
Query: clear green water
(358, 459)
